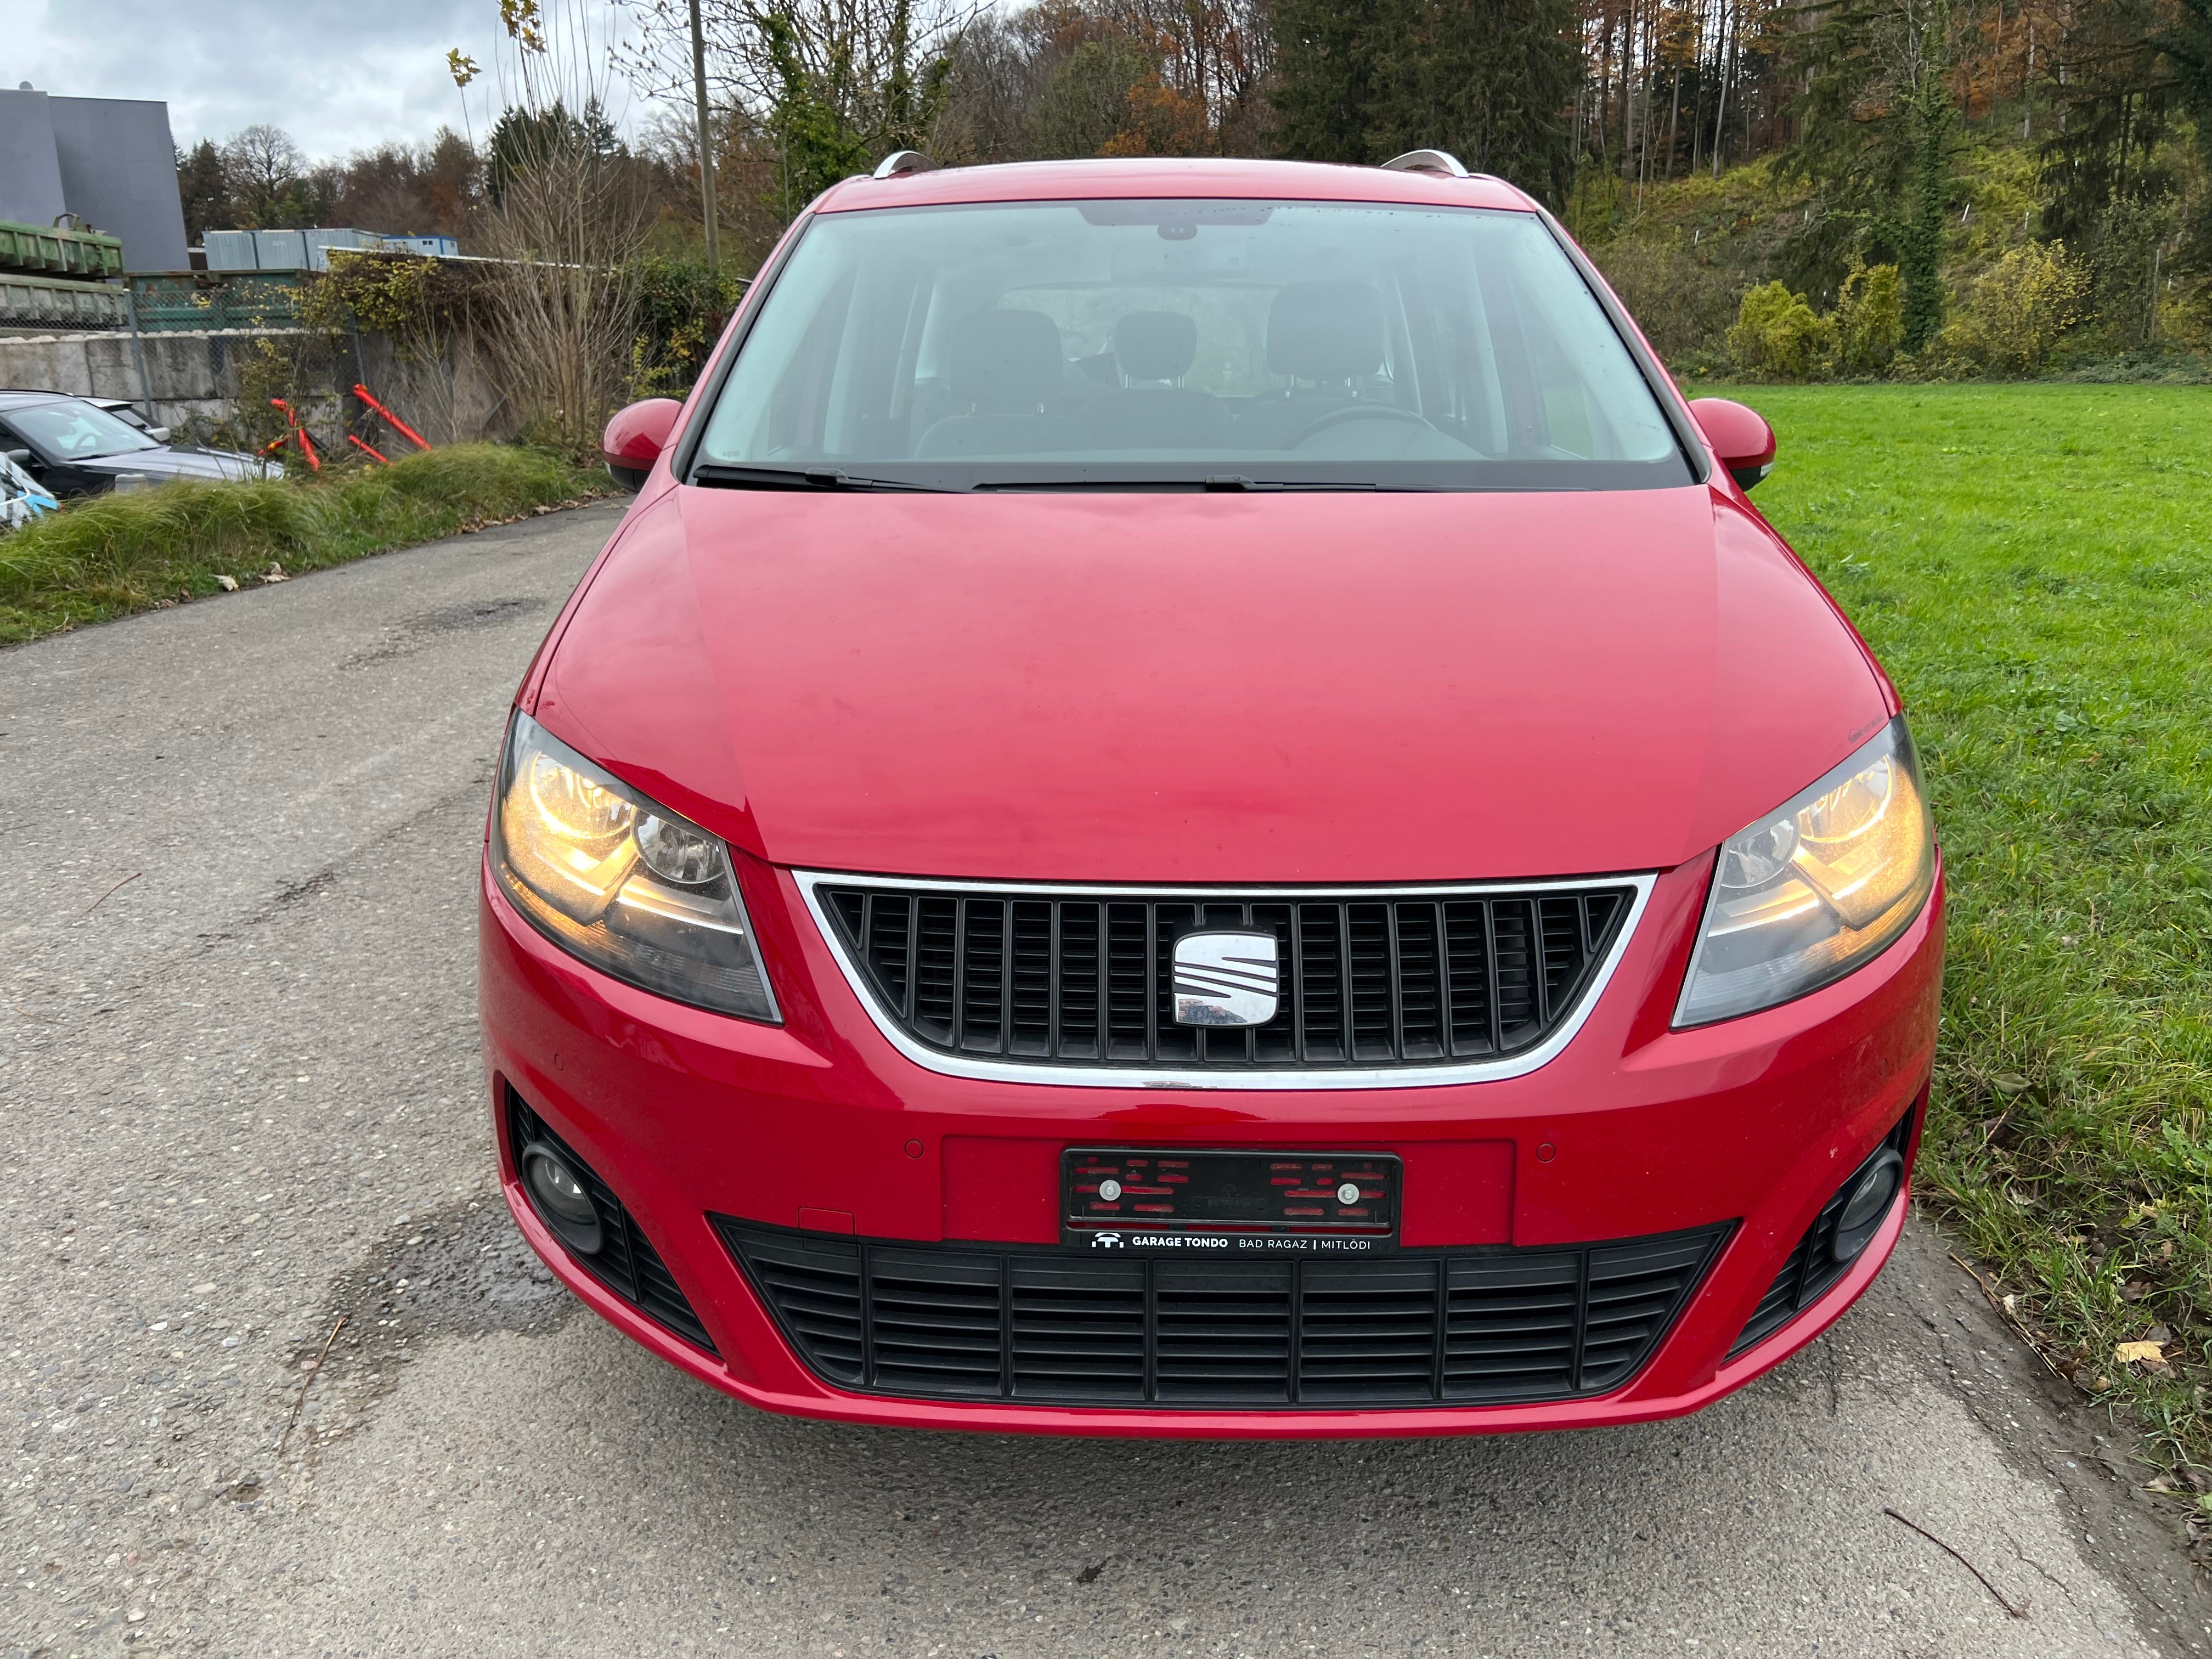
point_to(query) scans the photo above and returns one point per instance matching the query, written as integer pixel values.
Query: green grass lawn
(2033, 566)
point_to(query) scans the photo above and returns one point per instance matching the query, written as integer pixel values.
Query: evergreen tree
(1491, 80)
(1325, 58)
(522, 139)
(1874, 135)
(205, 190)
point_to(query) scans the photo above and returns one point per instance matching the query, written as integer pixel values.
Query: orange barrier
(390, 420)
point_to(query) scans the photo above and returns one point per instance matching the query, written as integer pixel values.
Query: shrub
(1869, 319)
(1777, 332)
(2023, 303)
(1683, 303)
(681, 308)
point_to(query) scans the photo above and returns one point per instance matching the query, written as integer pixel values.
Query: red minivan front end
(1194, 803)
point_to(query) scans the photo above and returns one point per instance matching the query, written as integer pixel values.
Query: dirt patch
(412, 634)
(458, 1270)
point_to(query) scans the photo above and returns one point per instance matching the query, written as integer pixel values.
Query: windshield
(1204, 343)
(77, 432)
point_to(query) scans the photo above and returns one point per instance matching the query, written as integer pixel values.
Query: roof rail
(900, 162)
(1440, 162)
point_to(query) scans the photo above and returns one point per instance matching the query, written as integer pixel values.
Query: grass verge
(115, 554)
(2033, 565)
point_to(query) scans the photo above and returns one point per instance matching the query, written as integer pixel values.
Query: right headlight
(611, 876)
(1816, 888)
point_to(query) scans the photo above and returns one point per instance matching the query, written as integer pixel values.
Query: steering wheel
(1355, 412)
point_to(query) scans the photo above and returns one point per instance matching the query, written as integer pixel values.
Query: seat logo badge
(1226, 979)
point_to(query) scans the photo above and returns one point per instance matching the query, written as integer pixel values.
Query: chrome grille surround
(811, 883)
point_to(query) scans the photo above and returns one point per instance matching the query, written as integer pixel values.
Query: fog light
(1871, 1194)
(558, 1196)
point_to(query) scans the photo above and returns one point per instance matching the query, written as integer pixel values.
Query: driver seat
(1327, 332)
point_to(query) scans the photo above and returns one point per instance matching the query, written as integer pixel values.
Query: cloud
(337, 75)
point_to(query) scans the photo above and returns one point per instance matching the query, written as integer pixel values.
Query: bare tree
(261, 164)
(570, 221)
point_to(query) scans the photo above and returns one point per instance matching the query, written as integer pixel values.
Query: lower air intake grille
(1489, 1327)
(1367, 978)
(1812, 1270)
(626, 1263)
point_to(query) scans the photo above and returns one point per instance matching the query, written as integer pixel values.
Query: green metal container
(53, 250)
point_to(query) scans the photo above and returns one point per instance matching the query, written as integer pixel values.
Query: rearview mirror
(634, 438)
(1741, 440)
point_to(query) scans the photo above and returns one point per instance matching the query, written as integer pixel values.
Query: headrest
(1156, 345)
(1003, 362)
(1326, 330)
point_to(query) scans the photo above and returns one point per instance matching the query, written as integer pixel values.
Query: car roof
(22, 397)
(1163, 176)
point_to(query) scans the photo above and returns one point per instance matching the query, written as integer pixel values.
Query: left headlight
(1816, 888)
(625, 884)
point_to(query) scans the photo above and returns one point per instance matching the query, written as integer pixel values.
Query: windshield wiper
(718, 476)
(1219, 482)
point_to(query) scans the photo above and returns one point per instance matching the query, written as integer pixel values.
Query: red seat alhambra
(1192, 803)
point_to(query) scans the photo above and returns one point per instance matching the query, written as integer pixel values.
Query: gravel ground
(239, 1102)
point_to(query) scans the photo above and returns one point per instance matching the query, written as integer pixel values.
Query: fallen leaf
(2134, 1290)
(2139, 1353)
(228, 584)
(275, 573)
(2009, 1083)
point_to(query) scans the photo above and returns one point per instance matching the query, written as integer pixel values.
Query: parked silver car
(74, 446)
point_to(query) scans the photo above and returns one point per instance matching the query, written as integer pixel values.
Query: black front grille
(1484, 1327)
(1812, 1270)
(1368, 980)
(626, 1263)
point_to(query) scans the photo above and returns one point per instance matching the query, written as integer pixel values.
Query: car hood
(179, 464)
(1262, 687)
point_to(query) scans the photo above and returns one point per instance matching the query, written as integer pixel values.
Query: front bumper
(1633, 1130)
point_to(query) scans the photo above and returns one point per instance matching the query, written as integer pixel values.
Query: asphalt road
(239, 1099)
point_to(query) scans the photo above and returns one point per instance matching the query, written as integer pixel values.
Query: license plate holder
(1173, 1200)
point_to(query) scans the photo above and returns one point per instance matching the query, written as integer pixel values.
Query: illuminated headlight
(610, 876)
(1816, 888)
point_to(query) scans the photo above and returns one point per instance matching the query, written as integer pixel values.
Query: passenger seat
(1156, 347)
(1003, 368)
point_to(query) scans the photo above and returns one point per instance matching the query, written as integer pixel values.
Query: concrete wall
(30, 168)
(192, 379)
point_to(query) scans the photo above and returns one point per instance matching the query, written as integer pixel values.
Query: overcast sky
(337, 75)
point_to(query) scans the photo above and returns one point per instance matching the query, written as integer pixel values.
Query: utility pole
(705, 140)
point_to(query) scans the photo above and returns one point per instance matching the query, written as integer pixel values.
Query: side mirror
(1739, 436)
(634, 438)
(21, 457)
(160, 435)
